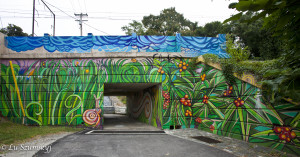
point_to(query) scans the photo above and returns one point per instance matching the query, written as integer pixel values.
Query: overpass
(62, 81)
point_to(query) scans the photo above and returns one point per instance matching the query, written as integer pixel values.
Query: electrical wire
(60, 10)
(100, 12)
(95, 28)
(72, 5)
(79, 5)
(108, 17)
(76, 18)
(85, 6)
(115, 18)
(19, 12)
(122, 13)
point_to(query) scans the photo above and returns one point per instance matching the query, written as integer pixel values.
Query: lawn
(12, 133)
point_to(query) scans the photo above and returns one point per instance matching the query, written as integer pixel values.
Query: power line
(66, 17)
(76, 19)
(61, 10)
(72, 5)
(19, 12)
(95, 28)
(190, 16)
(39, 17)
(99, 17)
(79, 5)
(53, 17)
(101, 12)
(107, 17)
(85, 6)
(112, 17)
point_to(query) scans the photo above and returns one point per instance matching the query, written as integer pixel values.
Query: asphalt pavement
(125, 137)
(129, 145)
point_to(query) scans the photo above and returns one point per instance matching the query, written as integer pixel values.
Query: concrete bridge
(63, 80)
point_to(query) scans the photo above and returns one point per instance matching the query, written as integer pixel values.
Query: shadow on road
(123, 122)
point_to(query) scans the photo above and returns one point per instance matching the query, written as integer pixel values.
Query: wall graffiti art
(70, 91)
(93, 116)
(191, 46)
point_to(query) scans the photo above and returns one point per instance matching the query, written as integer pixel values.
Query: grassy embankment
(12, 133)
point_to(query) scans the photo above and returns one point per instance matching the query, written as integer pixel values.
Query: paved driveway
(129, 145)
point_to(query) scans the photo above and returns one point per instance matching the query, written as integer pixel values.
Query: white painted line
(89, 132)
(126, 133)
(94, 132)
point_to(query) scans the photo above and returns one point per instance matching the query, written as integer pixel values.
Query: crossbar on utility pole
(80, 21)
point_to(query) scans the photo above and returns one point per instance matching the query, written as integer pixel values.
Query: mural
(146, 106)
(92, 116)
(191, 46)
(70, 92)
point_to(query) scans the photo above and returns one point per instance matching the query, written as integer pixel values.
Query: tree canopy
(134, 27)
(13, 30)
(170, 22)
(282, 19)
(261, 42)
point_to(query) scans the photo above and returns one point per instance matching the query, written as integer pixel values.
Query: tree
(134, 27)
(170, 22)
(282, 18)
(261, 42)
(214, 28)
(13, 30)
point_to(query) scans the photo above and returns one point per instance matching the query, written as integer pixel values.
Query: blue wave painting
(113, 43)
(24, 43)
(66, 44)
(195, 46)
(191, 46)
(157, 44)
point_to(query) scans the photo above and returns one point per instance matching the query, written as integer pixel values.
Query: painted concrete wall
(70, 92)
(39, 47)
(67, 92)
(146, 106)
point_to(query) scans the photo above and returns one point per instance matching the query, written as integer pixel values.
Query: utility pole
(80, 21)
(33, 13)
(53, 17)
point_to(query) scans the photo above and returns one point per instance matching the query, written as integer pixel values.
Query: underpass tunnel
(143, 106)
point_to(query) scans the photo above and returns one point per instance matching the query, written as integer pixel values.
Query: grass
(122, 99)
(12, 133)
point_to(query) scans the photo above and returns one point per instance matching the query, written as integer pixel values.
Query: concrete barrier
(108, 110)
(120, 110)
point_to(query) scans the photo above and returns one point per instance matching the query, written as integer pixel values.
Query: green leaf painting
(70, 92)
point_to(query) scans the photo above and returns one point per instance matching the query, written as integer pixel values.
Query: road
(125, 145)
(141, 142)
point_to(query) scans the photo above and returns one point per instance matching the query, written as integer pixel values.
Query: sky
(104, 17)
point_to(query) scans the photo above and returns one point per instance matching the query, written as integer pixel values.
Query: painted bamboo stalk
(17, 88)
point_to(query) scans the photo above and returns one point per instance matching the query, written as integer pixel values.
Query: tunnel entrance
(139, 111)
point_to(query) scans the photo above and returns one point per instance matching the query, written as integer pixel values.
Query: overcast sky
(104, 17)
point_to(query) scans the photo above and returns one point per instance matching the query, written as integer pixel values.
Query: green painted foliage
(60, 92)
